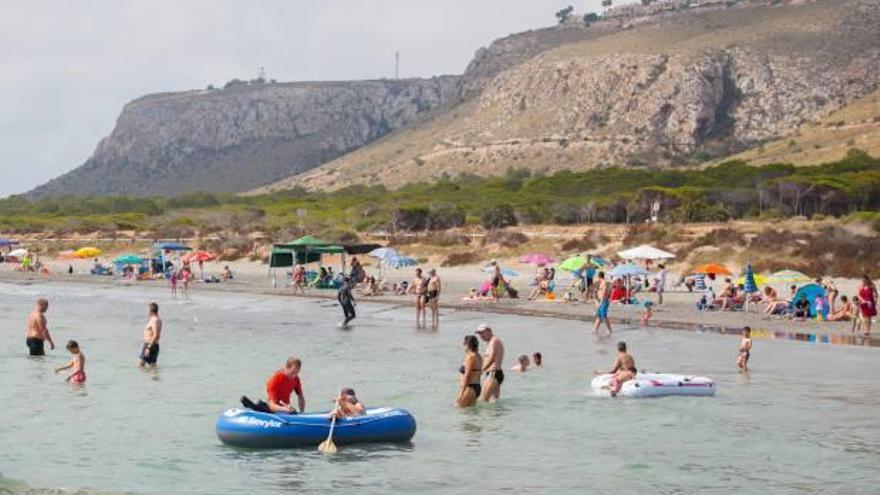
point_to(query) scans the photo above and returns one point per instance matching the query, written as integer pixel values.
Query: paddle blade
(327, 447)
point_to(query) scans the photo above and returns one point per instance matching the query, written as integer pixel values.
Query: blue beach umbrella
(128, 259)
(400, 262)
(750, 286)
(627, 270)
(7, 242)
(384, 253)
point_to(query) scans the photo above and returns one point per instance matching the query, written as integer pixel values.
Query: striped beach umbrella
(750, 286)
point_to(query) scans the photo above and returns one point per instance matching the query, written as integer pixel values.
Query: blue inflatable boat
(247, 428)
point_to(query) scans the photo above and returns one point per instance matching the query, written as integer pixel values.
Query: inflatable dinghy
(248, 428)
(656, 385)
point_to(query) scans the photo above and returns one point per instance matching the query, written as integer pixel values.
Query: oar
(327, 446)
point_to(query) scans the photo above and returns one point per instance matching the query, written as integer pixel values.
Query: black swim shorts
(497, 374)
(35, 346)
(154, 353)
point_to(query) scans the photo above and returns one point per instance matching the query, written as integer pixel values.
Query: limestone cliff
(676, 88)
(245, 136)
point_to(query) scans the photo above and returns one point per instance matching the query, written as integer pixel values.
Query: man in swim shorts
(493, 364)
(603, 297)
(37, 332)
(152, 334)
(624, 369)
(419, 287)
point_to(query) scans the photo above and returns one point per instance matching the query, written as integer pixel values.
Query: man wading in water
(37, 331)
(152, 333)
(419, 287)
(493, 365)
(603, 297)
(433, 297)
(346, 300)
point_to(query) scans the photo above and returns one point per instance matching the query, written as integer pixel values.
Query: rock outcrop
(671, 90)
(242, 137)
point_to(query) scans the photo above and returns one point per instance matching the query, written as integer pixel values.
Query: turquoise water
(804, 421)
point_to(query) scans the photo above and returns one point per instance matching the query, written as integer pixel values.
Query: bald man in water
(37, 330)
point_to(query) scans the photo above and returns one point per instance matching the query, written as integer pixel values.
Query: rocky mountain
(658, 83)
(689, 82)
(246, 135)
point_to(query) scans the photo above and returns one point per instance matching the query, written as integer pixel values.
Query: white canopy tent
(645, 252)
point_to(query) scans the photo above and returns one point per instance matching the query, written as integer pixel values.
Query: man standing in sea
(37, 330)
(152, 334)
(493, 364)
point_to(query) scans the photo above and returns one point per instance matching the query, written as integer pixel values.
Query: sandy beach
(677, 312)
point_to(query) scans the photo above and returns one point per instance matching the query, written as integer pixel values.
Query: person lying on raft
(278, 390)
(347, 404)
(624, 369)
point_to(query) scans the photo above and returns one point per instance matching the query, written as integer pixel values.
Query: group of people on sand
(37, 335)
(286, 381)
(860, 309)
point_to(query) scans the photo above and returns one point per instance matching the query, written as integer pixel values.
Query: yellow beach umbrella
(87, 252)
(759, 280)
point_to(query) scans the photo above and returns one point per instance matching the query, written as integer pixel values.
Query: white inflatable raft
(656, 385)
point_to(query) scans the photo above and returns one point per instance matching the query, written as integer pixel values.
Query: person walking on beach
(603, 298)
(868, 301)
(346, 300)
(493, 364)
(77, 364)
(419, 287)
(37, 329)
(745, 350)
(152, 334)
(660, 283)
(433, 296)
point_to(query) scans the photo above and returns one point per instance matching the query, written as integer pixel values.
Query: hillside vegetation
(730, 190)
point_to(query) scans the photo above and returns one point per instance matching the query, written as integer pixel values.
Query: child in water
(77, 364)
(745, 349)
(648, 313)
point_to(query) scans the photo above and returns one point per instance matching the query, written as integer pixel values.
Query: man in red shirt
(278, 389)
(281, 384)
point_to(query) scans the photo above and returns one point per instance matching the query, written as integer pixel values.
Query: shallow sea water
(805, 420)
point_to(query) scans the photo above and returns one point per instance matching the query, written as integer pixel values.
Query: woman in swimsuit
(77, 364)
(470, 373)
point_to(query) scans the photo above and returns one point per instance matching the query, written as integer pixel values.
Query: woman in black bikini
(470, 373)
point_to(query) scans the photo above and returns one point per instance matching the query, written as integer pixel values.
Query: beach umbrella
(128, 259)
(573, 263)
(713, 268)
(87, 252)
(7, 242)
(749, 284)
(197, 256)
(400, 262)
(172, 246)
(627, 270)
(759, 280)
(18, 253)
(384, 253)
(790, 277)
(645, 252)
(539, 259)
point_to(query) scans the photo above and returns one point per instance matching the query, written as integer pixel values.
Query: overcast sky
(68, 67)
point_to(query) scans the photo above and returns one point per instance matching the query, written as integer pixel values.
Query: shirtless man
(603, 297)
(433, 296)
(420, 289)
(37, 331)
(493, 364)
(152, 334)
(624, 369)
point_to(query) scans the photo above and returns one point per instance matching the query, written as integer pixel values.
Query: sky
(68, 67)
